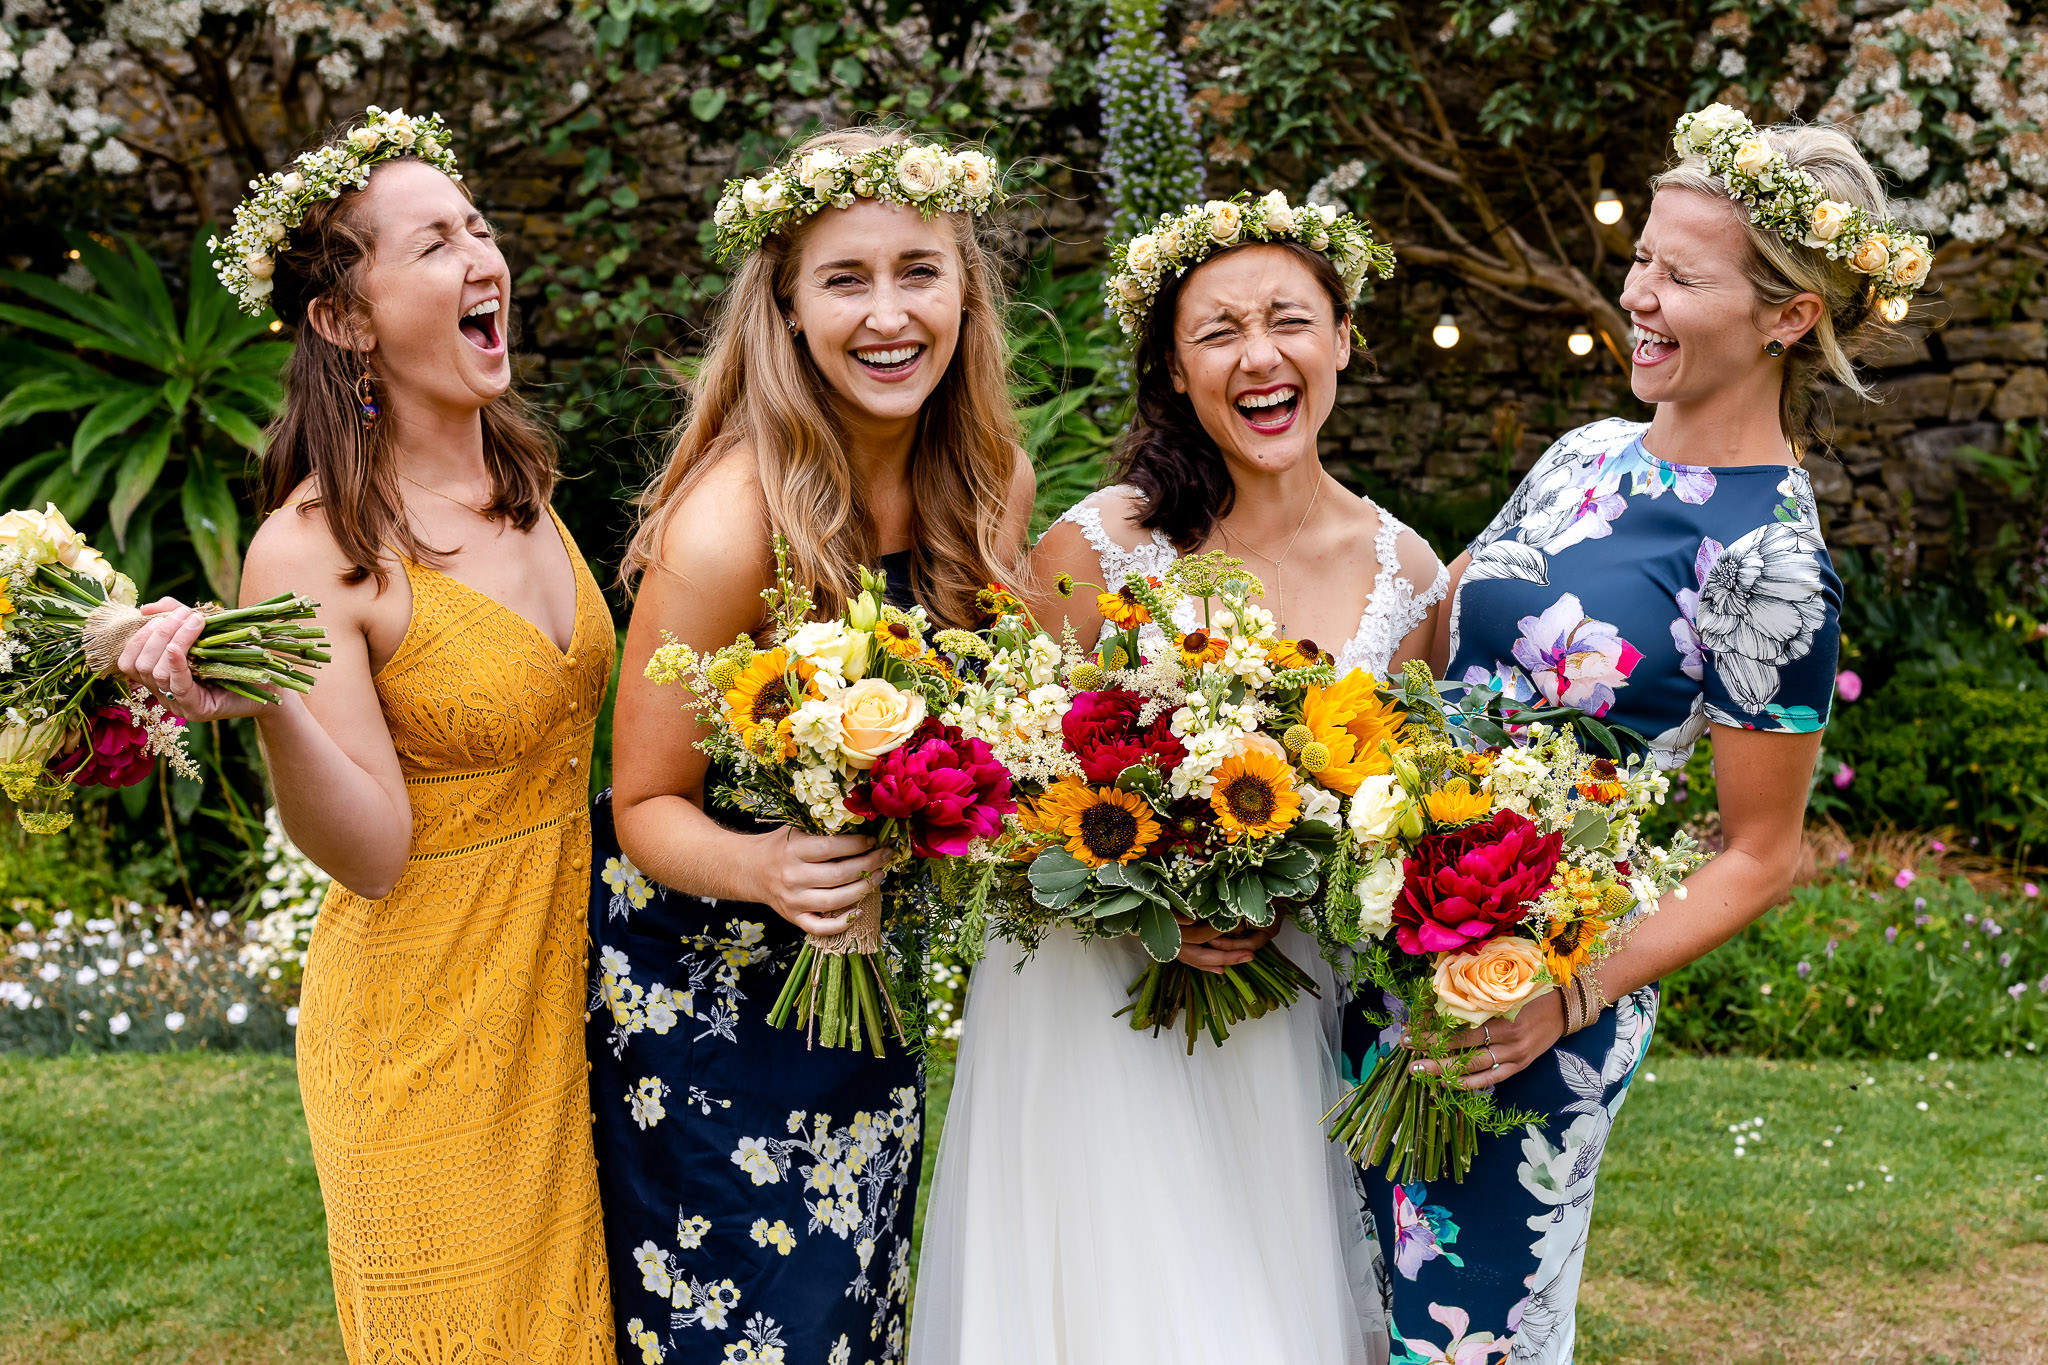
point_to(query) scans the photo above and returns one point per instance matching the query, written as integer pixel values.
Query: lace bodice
(1395, 608)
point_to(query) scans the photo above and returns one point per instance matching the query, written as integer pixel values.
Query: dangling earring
(1774, 348)
(366, 397)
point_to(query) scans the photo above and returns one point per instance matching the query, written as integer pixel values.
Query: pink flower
(1905, 878)
(115, 752)
(1102, 730)
(1844, 775)
(1938, 846)
(949, 789)
(2029, 889)
(1464, 886)
(1848, 686)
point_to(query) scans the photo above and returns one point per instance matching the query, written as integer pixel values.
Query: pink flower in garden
(2029, 889)
(1938, 846)
(1848, 686)
(1905, 878)
(115, 752)
(1844, 775)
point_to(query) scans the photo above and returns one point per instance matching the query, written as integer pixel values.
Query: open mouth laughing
(889, 362)
(1653, 348)
(480, 326)
(1271, 410)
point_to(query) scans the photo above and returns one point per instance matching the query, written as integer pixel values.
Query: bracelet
(1574, 1007)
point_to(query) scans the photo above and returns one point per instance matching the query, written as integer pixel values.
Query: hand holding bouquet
(65, 615)
(1475, 881)
(833, 729)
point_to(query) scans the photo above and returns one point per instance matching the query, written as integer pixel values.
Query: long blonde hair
(1780, 271)
(757, 387)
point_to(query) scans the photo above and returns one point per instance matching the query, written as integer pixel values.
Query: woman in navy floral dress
(1670, 577)
(854, 403)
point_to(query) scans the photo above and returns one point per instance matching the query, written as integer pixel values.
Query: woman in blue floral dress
(854, 405)
(1670, 577)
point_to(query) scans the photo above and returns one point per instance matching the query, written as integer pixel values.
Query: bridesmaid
(853, 400)
(1670, 577)
(437, 772)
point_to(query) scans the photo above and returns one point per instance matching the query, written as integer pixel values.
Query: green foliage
(1069, 399)
(2018, 551)
(1847, 970)
(172, 405)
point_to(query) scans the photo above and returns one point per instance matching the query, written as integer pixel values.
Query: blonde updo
(1779, 271)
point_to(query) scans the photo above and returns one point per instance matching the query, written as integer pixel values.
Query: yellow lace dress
(441, 1028)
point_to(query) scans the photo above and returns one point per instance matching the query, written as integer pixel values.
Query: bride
(1102, 1195)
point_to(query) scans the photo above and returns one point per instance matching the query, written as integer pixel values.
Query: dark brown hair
(1167, 455)
(319, 434)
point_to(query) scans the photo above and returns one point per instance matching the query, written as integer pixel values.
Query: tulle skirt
(1102, 1196)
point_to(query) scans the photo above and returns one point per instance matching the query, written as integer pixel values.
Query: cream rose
(1278, 213)
(90, 563)
(33, 744)
(1710, 122)
(402, 134)
(1754, 156)
(43, 537)
(1130, 287)
(833, 648)
(365, 138)
(123, 590)
(260, 267)
(1873, 256)
(820, 171)
(1910, 264)
(291, 182)
(1377, 807)
(1492, 983)
(921, 171)
(1378, 889)
(1142, 255)
(1226, 221)
(430, 146)
(975, 172)
(1261, 741)
(1830, 216)
(876, 717)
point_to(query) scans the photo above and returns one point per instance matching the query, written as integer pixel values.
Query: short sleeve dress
(1660, 597)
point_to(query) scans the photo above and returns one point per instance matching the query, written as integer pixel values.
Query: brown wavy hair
(318, 432)
(756, 387)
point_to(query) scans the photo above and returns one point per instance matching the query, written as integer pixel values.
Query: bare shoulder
(715, 541)
(294, 550)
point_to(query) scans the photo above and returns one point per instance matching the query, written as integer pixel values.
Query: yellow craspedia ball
(1086, 677)
(1619, 900)
(1298, 737)
(1114, 657)
(1315, 756)
(723, 674)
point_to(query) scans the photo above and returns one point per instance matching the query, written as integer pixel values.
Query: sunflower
(1121, 609)
(1287, 654)
(899, 639)
(1458, 803)
(1044, 819)
(1602, 782)
(1104, 825)
(760, 696)
(1569, 946)
(1479, 762)
(1199, 647)
(1255, 794)
(1349, 719)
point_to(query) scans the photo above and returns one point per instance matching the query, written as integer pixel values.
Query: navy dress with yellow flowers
(758, 1192)
(1661, 597)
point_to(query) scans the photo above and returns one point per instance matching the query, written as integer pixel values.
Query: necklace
(1279, 580)
(483, 512)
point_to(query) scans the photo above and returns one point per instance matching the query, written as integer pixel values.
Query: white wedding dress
(1104, 1198)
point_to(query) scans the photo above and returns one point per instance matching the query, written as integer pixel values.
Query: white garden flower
(1378, 889)
(238, 1013)
(120, 1024)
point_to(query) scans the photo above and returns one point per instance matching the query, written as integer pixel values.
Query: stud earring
(1774, 348)
(794, 330)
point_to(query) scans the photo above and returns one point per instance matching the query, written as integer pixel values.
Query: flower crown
(1179, 242)
(1787, 200)
(278, 202)
(923, 175)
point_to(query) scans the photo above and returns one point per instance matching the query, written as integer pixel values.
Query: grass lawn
(163, 1209)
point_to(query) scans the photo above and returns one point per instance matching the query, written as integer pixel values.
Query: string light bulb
(276, 326)
(1445, 333)
(1580, 342)
(1894, 309)
(1607, 208)
(71, 255)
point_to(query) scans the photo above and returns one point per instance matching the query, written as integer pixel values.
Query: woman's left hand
(1500, 1048)
(1206, 948)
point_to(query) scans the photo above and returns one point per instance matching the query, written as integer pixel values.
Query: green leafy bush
(1847, 970)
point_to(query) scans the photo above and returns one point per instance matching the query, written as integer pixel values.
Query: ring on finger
(1485, 1033)
(1496, 1057)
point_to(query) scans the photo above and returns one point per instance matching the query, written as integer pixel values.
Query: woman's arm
(706, 592)
(1440, 641)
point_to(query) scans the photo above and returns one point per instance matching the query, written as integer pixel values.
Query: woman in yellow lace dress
(439, 771)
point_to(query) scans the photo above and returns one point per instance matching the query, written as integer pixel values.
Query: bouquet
(65, 614)
(1475, 880)
(1184, 787)
(833, 728)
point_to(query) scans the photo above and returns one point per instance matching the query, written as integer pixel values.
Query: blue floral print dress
(758, 1193)
(1660, 597)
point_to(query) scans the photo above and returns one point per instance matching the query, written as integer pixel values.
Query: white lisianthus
(975, 173)
(1377, 807)
(1142, 255)
(1317, 804)
(763, 196)
(1830, 216)
(1378, 889)
(922, 171)
(1278, 213)
(833, 648)
(1226, 221)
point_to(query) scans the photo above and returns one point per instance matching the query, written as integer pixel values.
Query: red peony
(115, 752)
(949, 789)
(1463, 887)
(1102, 730)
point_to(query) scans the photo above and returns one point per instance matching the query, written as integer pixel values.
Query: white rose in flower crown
(975, 172)
(1142, 255)
(728, 209)
(365, 138)
(1377, 807)
(1910, 264)
(876, 717)
(1169, 243)
(1493, 983)
(1753, 157)
(921, 171)
(1873, 255)
(820, 171)
(1378, 889)
(835, 649)
(764, 196)
(402, 133)
(1278, 213)
(1329, 213)
(291, 182)
(1226, 221)
(1830, 216)
(260, 267)
(1709, 123)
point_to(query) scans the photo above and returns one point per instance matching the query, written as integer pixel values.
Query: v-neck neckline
(561, 652)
